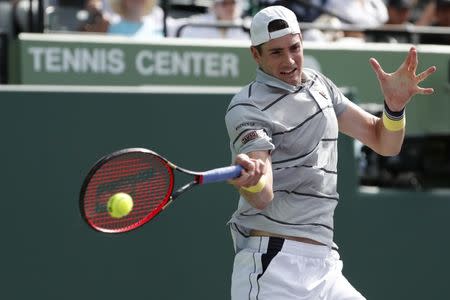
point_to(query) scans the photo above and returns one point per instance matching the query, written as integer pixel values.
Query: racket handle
(221, 174)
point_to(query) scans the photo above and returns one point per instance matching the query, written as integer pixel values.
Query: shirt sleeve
(249, 129)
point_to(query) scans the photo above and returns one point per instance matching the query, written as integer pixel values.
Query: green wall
(394, 244)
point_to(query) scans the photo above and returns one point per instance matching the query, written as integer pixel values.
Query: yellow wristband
(393, 125)
(257, 187)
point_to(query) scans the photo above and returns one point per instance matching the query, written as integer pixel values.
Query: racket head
(143, 174)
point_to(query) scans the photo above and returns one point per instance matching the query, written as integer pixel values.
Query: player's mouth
(288, 73)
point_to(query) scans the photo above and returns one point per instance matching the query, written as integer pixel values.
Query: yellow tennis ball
(257, 187)
(119, 205)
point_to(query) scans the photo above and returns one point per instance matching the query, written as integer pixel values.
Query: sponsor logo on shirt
(254, 134)
(322, 93)
(245, 124)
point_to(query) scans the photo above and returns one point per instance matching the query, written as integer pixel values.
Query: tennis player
(283, 129)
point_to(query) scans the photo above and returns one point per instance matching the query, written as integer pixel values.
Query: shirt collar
(270, 80)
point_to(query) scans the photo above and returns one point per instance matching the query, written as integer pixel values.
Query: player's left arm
(385, 135)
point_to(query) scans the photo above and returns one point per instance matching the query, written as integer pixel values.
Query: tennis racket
(144, 175)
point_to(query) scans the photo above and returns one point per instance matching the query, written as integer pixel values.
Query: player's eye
(295, 47)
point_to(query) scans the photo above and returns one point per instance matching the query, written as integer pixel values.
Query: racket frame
(199, 178)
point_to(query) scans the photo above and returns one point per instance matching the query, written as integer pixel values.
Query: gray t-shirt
(298, 125)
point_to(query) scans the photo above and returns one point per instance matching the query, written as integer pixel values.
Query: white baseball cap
(259, 32)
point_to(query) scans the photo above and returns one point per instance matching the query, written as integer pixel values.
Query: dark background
(394, 243)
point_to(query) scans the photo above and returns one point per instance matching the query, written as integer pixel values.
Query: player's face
(282, 58)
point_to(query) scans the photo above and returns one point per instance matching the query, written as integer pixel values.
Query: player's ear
(256, 53)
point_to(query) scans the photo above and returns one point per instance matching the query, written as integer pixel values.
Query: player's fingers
(259, 167)
(263, 168)
(422, 76)
(246, 162)
(258, 171)
(242, 180)
(253, 170)
(412, 60)
(425, 91)
(377, 68)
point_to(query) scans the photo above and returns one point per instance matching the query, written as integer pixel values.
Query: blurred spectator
(221, 11)
(96, 20)
(317, 35)
(359, 12)
(442, 18)
(400, 11)
(107, 7)
(426, 17)
(306, 12)
(363, 13)
(80, 15)
(137, 18)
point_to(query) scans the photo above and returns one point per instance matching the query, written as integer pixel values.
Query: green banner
(75, 59)
(100, 60)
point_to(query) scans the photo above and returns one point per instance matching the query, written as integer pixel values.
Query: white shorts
(278, 269)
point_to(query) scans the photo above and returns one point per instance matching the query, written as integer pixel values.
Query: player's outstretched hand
(399, 87)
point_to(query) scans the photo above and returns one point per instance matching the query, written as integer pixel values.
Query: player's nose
(288, 59)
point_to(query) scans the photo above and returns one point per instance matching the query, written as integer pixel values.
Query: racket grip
(221, 174)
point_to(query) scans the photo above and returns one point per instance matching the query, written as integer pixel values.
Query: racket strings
(146, 178)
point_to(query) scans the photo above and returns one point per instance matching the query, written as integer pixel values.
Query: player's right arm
(250, 132)
(256, 164)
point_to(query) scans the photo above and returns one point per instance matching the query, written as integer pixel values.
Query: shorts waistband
(266, 244)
